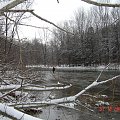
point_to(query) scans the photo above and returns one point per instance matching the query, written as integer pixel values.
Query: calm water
(79, 80)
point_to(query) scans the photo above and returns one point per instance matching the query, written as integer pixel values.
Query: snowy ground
(77, 68)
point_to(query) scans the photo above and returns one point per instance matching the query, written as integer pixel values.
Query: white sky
(52, 11)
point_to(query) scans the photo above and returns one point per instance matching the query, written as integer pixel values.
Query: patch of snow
(51, 97)
(103, 96)
(99, 103)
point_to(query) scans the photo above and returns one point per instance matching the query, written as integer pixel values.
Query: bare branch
(31, 11)
(101, 4)
(18, 10)
(49, 22)
(102, 72)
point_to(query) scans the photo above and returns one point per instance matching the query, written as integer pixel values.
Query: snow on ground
(77, 68)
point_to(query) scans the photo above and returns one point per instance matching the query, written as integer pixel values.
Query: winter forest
(91, 38)
(85, 54)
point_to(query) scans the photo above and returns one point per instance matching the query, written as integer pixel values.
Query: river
(79, 81)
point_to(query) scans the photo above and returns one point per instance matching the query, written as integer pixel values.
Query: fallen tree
(65, 99)
(32, 87)
(15, 114)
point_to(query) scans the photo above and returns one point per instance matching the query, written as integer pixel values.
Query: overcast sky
(52, 11)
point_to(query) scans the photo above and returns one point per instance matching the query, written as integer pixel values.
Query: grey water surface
(79, 81)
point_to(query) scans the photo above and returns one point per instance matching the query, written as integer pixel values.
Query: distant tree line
(95, 40)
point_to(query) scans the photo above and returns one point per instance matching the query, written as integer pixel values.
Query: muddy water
(79, 80)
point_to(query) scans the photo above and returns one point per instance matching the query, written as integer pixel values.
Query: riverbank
(75, 68)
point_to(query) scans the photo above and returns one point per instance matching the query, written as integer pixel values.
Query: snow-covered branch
(44, 88)
(101, 4)
(9, 5)
(44, 102)
(95, 83)
(29, 87)
(66, 99)
(15, 114)
(113, 78)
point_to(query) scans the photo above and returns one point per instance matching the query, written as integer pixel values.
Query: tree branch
(102, 72)
(10, 5)
(64, 99)
(27, 24)
(15, 114)
(43, 19)
(27, 10)
(101, 4)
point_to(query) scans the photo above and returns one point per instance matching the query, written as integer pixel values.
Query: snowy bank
(75, 68)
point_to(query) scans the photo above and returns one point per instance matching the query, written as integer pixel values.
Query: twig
(79, 103)
(18, 10)
(102, 72)
(27, 24)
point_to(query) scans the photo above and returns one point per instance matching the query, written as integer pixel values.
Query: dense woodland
(92, 38)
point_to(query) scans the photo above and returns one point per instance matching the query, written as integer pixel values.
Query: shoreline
(74, 69)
